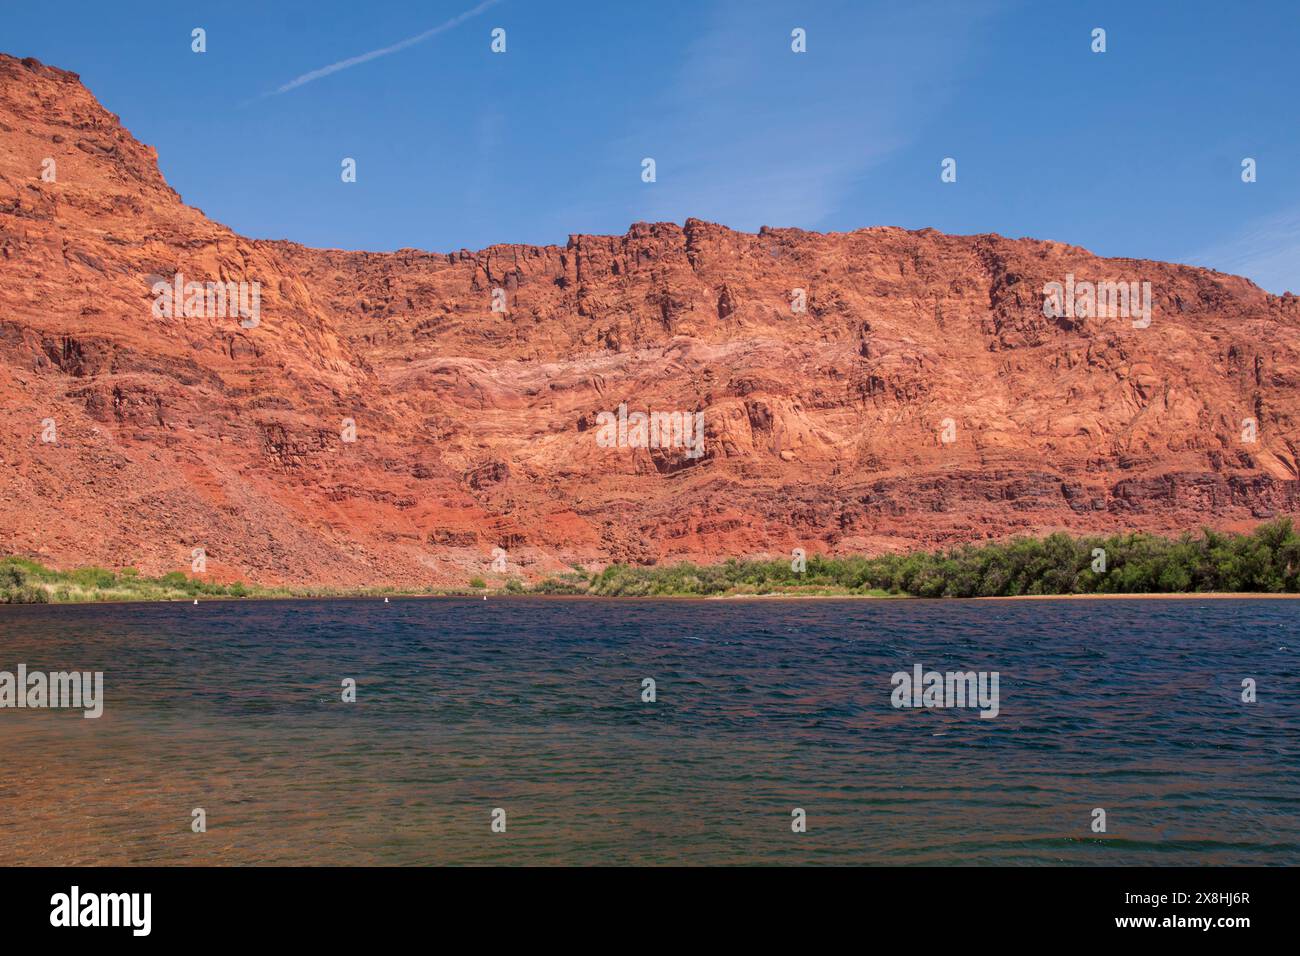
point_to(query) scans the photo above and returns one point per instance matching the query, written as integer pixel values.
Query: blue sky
(1133, 152)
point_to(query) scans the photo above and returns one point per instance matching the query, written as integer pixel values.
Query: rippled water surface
(535, 706)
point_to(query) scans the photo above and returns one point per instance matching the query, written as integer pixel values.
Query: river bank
(1264, 562)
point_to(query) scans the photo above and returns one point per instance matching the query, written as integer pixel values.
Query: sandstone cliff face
(921, 397)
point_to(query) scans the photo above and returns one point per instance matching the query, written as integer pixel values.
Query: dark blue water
(534, 706)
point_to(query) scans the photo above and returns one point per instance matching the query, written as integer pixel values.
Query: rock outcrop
(380, 423)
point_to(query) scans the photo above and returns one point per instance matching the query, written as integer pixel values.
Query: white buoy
(385, 600)
(196, 600)
(485, 597)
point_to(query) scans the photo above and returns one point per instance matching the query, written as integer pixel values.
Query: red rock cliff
(824, 429)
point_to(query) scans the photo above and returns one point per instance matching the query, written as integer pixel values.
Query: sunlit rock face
(419, 417)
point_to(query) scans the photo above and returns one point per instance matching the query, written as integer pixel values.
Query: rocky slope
(922, 398)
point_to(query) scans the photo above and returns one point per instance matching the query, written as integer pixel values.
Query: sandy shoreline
(1172, 596)
(1175, 596)
(506, 596)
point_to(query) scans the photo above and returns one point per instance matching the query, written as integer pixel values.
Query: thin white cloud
(375, 54)
(1266, 251)
(752, 134)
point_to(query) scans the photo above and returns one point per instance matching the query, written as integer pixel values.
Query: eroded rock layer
(921, 397)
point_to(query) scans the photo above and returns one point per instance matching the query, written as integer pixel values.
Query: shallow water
(534, 706)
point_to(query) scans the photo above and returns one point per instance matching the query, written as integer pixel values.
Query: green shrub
(92, 577)
(1267, 559)
(24, 594)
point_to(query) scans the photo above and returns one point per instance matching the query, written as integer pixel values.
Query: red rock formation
(477, 430)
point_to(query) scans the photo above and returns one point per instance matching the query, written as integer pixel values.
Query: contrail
(375, 54)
